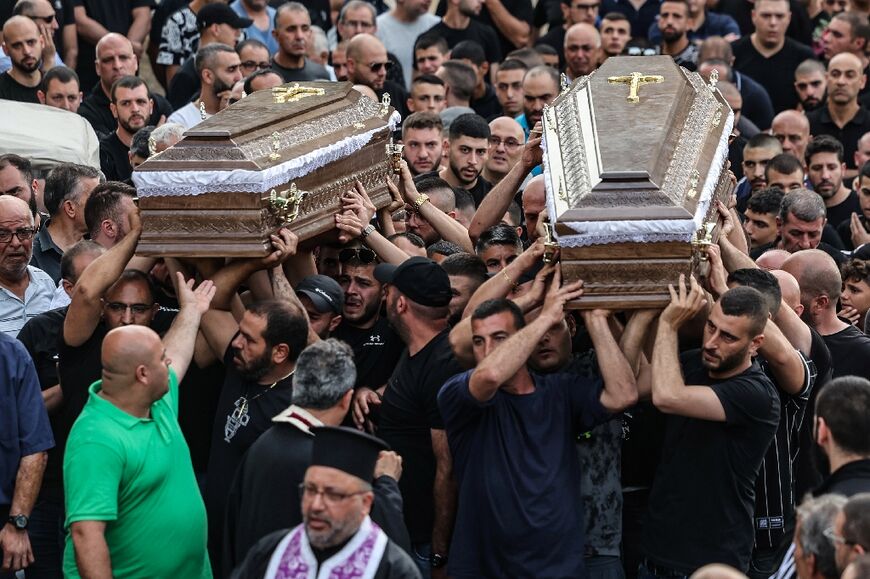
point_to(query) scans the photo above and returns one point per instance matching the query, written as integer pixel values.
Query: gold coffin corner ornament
(703, 239)
(394, 156)
(290, 94)
(550, 245)
(634, 81)
(385, 105)
(285, 204)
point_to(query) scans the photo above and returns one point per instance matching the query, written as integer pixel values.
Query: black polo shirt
(46, 253)
(822, 124)
(639, 18)
(775, 74)
(95, 108)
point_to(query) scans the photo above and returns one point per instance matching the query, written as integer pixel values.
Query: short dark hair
(430, 39)
(247, 86)
(250, 42)
(427, 79)
(856, 269)
(128, 82)
(137, 276)
(469, 125)
(526, 55)
(865, 170)
(516, 214)
(763, 141)
(498, 234)
(64, 182)
(498, 306)
(24, 166)
(824, 144)
(856, 520)
(442, 247)
(683, 2)
(746, 302)
(423, 120)
(767, 200)
(415, 239)
(844, 404)
(460, 78)
(784, 163)
(616, 17)
(464, 199)
(466, 264)
(427, 183)
(139, 144)
(205, 56)
(62, 74)
(545, 49)
(285, 324)
(857, 22)
(764, 281)
(469, 50)
(104, 203)
(67, 262)
(512, 64)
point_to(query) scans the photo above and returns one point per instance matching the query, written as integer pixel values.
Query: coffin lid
(261, 142)
(618, 171)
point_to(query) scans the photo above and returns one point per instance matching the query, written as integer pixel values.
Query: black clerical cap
(346, 449)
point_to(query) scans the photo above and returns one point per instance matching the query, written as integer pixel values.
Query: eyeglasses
(23, 234)
(510, 143)
(377, 66)
(121, 308)
(832, 535)
(330, 497)
(250, 64)
(363, 255)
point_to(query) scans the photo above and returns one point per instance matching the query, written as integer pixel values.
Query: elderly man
(582, 43)
(119, 483)
(506, 141)
(801, 220)
(851, 530)
(23, 43)
(115, 58)
(25, 291)
(60, 89)
(293, 31)
(793, 131)
(813, 550)
(218, 66)
(336, 532)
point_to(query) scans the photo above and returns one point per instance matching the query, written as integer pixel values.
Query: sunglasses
(377, 66)
(46, 19)
(363, 255)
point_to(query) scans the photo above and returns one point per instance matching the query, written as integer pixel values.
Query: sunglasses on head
(363, 255)
(377, 66)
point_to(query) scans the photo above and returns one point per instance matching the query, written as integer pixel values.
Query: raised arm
(514, 29)
(87, 27)
(86, 305)
(180, 340)
(139, 28)
(497, 201)
(620, 389)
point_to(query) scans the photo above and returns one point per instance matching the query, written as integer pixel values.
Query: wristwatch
(418, 202)
(19, 522)
(367, 231)
(437, 561)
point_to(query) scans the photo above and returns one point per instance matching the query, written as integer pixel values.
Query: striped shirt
(14, 312)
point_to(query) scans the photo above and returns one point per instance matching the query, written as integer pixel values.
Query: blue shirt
(24, 426)
(264, 36)
(14, 312)
(520, 510)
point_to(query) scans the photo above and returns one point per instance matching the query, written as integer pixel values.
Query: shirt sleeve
(584, 394)
(171, 49)
(92, 474)
(745, 400)
(458, 407)
(34, 430)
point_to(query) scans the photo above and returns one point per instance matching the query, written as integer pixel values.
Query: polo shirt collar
(46, 243)
(859, 118)
(107, 408)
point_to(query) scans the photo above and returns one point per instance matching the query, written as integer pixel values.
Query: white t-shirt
(187, 116)
(399, 38)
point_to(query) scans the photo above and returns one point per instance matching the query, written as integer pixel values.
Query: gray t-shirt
(399, 37)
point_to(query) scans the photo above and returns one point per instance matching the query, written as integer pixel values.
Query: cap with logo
(324, 292)
(220, 14)
(422, 280)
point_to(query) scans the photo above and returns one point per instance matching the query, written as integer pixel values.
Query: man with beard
(582, 43)
(218, 66)
(708, 395)
(60, 89)
(757, 153)
(810, 85)
(293, 31)
(825, 168)
(505, 148)
(768, 56)
(131, 107)
(336, 533)
(439, 195)
(674, 24)
(368, 64)
(23, 43)
(468, 143)
(793, 131)
(467, 272)
(376, 346)
(540, 87)
(421, 135)
(843, 118)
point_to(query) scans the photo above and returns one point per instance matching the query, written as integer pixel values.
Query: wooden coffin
(277, 158)
(634, 156)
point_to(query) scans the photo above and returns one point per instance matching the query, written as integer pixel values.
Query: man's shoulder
(797, 49)
(743, 45)
(41, 279)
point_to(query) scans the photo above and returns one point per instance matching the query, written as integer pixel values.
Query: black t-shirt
(376, 351)
(95, 108)
(520, 9)
(843, 212)
(850, 352)
(807, 473)
(311, 71)
(476, 31)
(480, 189)
(800, 27)
(12, 90)
(821, 123)
(702, 500)
(555, 38)
(114, 158)
(487, 106)
(184, 85)
(408, 411)
(775, 74)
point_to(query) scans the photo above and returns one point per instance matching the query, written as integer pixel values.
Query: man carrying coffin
(336, 538)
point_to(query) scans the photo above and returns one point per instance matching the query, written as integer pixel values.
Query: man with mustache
(674, 25)
(540, 87)
(293, 31)
(219, 69)
(810, 85)
(843, 118)
(468, 142)
(131, 106)
(825, 168)
(23, 43)
(421, 134)
(582, 43)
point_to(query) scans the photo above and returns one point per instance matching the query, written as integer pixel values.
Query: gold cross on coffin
(634, 81)
(283, 94)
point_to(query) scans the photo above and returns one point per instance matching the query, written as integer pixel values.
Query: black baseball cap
(421, 279)
(324, 292)
(220, 14)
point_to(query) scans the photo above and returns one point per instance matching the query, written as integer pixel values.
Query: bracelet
(513, 284)
(418, 202)
(368, 230)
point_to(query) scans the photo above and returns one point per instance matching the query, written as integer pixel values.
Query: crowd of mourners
(415, 399)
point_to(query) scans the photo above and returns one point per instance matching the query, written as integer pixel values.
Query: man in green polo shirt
(132, 503)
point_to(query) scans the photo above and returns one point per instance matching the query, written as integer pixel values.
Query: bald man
(793, 131)
(116, 58)
(23, 43)
(534, 206)
(717, 571)
(127, 467)
(791, 291)
(843, 117)
(505, 148)
(772, 259)
(28, 290)
(819, 279)
(582, 43)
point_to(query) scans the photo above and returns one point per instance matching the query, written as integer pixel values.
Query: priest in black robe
(337, 537)
(264, 496)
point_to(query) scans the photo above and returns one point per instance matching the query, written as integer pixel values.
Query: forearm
(734, 259)
(495, 204)
(180, 341)
(299, 266)
(70, 46)
(784, 361)
(107, 268)
(620, 389)
(460, 342)
(517, 31)
(227, 282)
(666, 377)
(499, 285)
(386, 249)
(737, 236)
(87, 27)
(633, 338)
(444, 499)
(794, 329)
(284, 292)
(448, 228)
(507, 359)
(52, 398)
(27, 483)
(140, 26)
(92, 555)
(385, 221)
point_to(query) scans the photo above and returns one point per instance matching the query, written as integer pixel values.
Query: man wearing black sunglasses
(368, 64)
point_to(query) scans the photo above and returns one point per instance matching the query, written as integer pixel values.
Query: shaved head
(124, 350)
(772, 259)
(18, 24)
(361, 44)
(816, 273)
(113, 39)
(788, 285)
